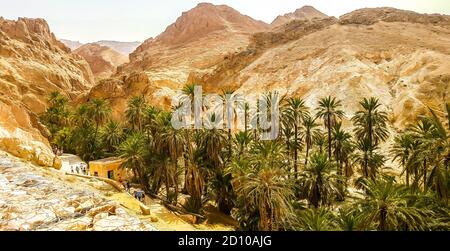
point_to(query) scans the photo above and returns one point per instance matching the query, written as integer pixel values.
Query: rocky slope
(398, 56)
(102, 59)
(304, 13)
(35, 199)
(196, 42)
(33, 63)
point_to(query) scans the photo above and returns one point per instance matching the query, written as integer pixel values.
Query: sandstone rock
(108, 209)
(34, 199)
(102, 59)
(33, 63)
(304, 13)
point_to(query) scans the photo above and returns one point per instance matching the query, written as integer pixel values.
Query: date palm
(371, 123)
(112, 135)
(241, 142)
(267, 193)
(294, 111)
(388, 206)
(99, 111)
(329, 110)
(132, 152)
(171, 141)
(318, 182)
(135, 112)
(351, 219)
(368, 158)
(403, 149)
(318, 219)
(309, 124)
(343, 148)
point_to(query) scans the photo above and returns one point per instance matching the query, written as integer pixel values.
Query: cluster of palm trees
(314, 176)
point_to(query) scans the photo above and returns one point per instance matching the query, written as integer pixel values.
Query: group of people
(58, 152)
(79, 169)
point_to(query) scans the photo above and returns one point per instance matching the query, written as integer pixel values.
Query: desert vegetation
(317, 176)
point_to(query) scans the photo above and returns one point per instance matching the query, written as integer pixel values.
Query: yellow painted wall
(103, 167)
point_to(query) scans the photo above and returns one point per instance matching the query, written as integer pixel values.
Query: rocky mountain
(398, 56)
(124, 48)
(33, 63)
(304, 13)
(199, 39)
(73, 45)
(102, 59)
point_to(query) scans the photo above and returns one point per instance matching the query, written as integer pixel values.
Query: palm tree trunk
(245, 120)
(296, 151)
(230, 153)
(329, 136)
(167, 183)
(383, 220)
(307, 154)
(407, 177)
(425, 175)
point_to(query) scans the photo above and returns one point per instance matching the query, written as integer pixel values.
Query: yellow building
(108, 168)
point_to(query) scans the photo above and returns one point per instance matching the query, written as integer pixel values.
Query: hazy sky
(137, 20)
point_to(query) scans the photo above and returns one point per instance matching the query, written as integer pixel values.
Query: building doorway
(111, 175)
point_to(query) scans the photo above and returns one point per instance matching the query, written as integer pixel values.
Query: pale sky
(137, 20)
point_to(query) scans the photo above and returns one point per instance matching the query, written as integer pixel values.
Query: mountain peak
(306, 12)
(207, 18)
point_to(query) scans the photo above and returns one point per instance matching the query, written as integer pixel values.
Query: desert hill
(33, 63)
(304, 13)
(400, 56)
(102, 59)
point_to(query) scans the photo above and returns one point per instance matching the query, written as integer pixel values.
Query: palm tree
(317, 219)
(388, 206)
(318, 182)
(371, 123)
(99, 111)
(402, 150)
(112, 135)
(231, 116)
(343, 148)
(319, 140)
(132, 152)
(309, 125)
(135, 112)
(368, 158)
(351, 219)
(241, 141)
(170, 141)
(294, 111)
(266, 192)
(329, 111)
(421, 156)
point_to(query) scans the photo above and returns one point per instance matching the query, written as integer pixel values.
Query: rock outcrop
(102, 59)
(398, 56)
(33, 63)
(401, 57)
(73, 45)
(34, 199)
(304, 13)
(196, 42)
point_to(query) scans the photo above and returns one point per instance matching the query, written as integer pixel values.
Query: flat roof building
(109, 168)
